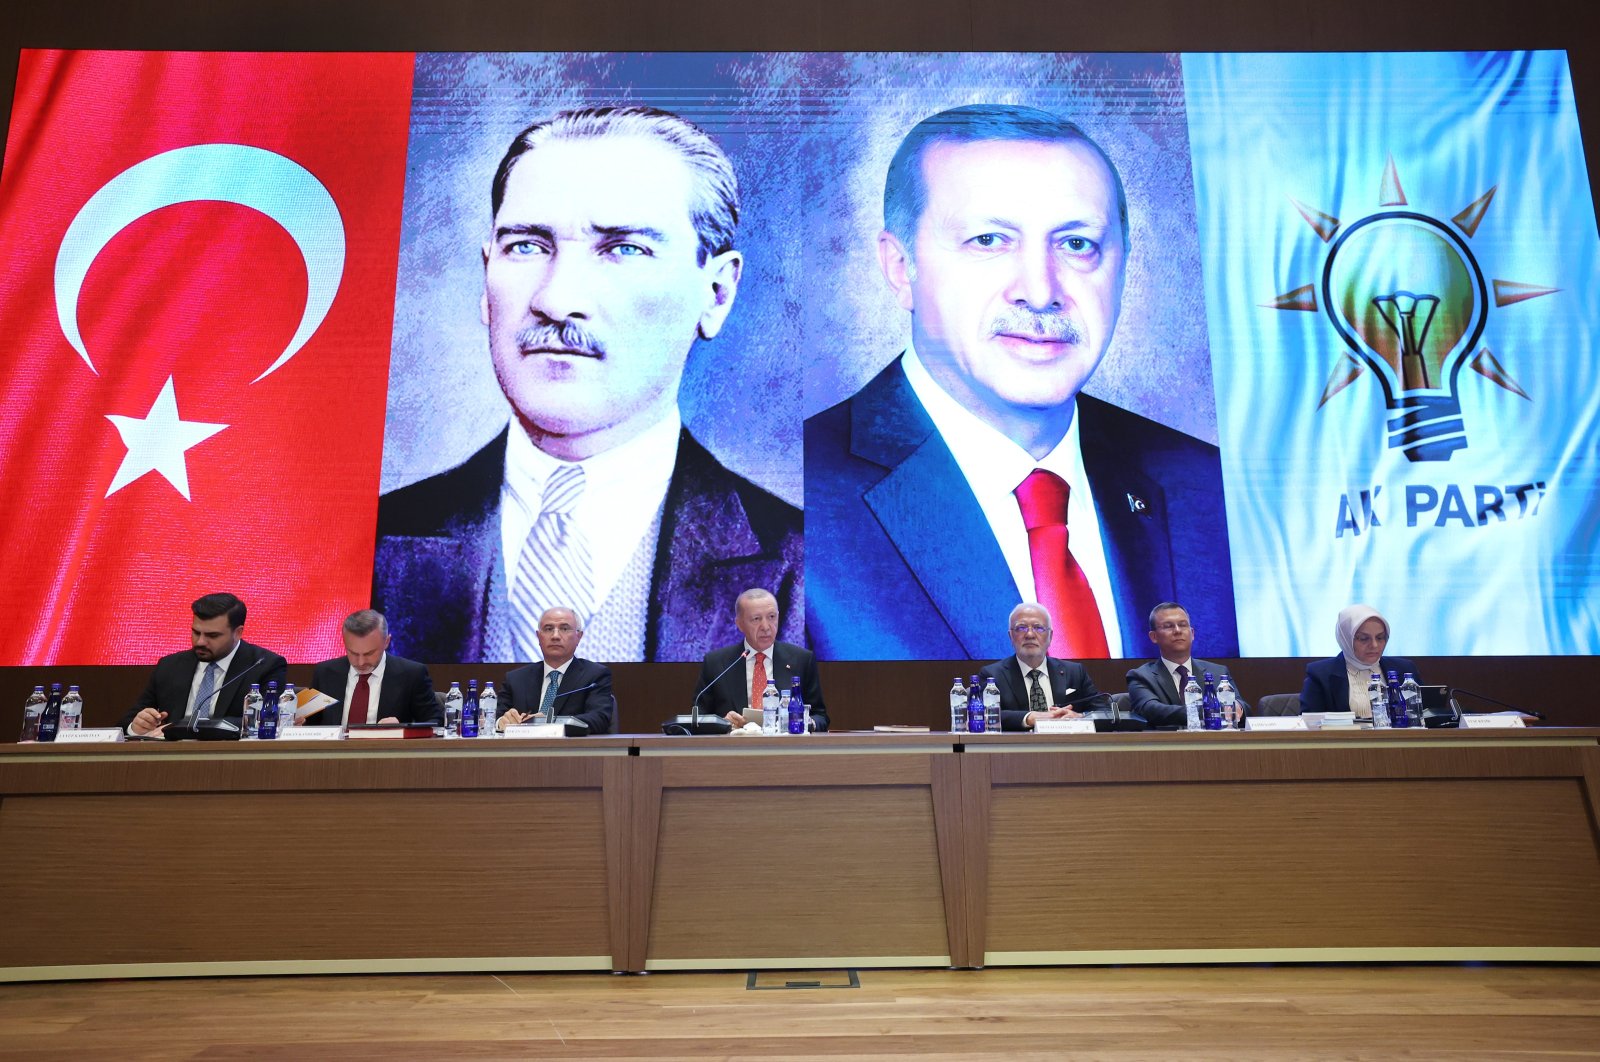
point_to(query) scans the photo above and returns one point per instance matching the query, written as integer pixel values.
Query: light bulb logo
(1408, 297)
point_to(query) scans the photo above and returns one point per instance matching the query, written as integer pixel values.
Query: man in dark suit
(1155, 689)
(611, 251)
(945, 489)
(1034, 685)
(208, 681)
(372, 684)
(560, 683)
(735, 692)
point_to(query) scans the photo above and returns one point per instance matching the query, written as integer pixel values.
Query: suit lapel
(932, 519)
(706, 545)
(1058, 683)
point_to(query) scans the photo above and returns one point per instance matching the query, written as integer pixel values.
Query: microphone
(195, 711)
(1485, 697)
(580, 689)
(694, 709)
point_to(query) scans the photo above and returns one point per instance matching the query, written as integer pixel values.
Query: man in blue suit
(560, 683)
(971, 472)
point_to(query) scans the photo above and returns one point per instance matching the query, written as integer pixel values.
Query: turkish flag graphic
(197, 276)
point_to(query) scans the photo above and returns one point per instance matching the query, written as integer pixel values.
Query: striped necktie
(555, 569)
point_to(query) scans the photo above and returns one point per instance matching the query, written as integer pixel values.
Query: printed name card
(311, 733)
(1275, 722)
(1063, 726)
(1492, 722)
(536, 730)
(95, 735)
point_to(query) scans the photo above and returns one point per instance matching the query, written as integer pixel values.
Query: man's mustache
(1055, 326)
(564, 335)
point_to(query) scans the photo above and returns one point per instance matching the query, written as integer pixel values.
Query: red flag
(197, 260)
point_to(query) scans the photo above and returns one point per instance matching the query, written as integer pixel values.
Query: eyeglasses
(563, 629)
(1029, 628)
(1168, 628)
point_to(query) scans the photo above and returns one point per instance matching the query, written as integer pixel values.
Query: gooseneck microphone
(694, 709)
(1485, 697)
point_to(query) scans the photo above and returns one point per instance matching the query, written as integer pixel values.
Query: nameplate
(90, 735)
(1275, 722)
(1063, 726)
(536, 730)
(311, 733)
(1480, 722)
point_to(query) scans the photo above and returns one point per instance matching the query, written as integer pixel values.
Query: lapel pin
(1138, 505)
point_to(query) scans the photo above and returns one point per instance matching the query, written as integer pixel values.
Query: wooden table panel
(221, 877)
(857, 866)
(1486, 863)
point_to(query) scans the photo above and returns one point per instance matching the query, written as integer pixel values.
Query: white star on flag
(158, 441)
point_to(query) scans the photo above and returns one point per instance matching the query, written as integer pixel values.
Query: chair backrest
(1279, 704)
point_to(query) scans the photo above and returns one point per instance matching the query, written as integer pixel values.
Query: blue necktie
(550, 695)
(202, 697)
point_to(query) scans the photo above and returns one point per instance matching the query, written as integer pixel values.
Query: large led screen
(904, 338)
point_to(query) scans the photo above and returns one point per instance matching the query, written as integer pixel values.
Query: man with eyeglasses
(1155, 690)
(1034, 685)
(561, 683)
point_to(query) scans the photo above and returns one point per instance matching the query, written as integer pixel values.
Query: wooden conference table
(651, 853)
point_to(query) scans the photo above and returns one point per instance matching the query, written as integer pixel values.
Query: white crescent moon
(253, 177)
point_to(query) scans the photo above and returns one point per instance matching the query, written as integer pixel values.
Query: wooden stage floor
(1015, 1014)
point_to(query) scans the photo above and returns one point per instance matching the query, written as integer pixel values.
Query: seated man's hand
(390, 719)
(1054, 713)
(511, 718)
(735, 719)
(147, 721)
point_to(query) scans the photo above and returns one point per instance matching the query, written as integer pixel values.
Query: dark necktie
(1183, 680)
(359, 700)
(548, 704)
(1036, 701)
(1057, 580)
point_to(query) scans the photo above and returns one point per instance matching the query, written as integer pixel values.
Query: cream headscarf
(1350, 620)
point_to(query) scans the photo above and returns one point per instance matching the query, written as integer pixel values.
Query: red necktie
(358, 702)
(1057, 579)
(758, 682)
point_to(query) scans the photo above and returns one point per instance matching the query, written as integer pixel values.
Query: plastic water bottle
(287, 705)
(991, 707)
(1210, 706)
(452, 710)
(72, 709)
(975, 718)
(770, 704)
(469, 711)
(50, 718)
(1399, 717)
(1410, 692)
(32, 709)
(795, 710)
(958, 706)
(1192, 700)
(488, 710)
(1228, 699)
(251, 720)
(1378, 697)
(267, 722)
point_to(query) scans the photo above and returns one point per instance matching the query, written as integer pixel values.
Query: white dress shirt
(550, 671)
(222, 674)
(1172, 673)
(994, 466)
(374, 687)
(623, 489)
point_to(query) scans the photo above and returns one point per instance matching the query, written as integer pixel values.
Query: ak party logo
(1409, 298)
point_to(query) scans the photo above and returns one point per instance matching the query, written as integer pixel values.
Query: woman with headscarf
(1339, 684)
